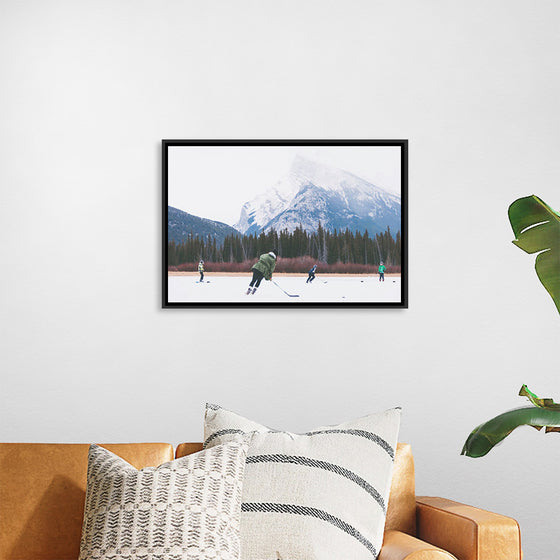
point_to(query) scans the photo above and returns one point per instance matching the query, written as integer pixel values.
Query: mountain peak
(303, 165)
(314, 192)
(317, 173)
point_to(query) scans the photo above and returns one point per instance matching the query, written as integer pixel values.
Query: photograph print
(304, 223)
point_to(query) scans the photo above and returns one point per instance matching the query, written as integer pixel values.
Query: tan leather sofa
(42, 492)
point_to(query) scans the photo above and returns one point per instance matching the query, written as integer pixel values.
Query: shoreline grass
(298, 265)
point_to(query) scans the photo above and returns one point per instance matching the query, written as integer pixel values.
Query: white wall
(88, 91)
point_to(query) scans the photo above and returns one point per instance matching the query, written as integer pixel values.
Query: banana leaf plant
(543, 413)
(536, 227)
(537, 230)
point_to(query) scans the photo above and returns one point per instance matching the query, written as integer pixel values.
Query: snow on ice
(325, 289)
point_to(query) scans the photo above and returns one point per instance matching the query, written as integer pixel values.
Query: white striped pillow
(312, 496)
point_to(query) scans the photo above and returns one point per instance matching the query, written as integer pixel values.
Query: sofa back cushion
(401, 509)
(42, 494)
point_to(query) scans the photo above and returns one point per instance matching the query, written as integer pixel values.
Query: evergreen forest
(323, 246)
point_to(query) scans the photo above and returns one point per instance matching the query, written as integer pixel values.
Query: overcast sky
(215, 181)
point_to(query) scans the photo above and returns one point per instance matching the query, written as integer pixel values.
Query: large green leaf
(544, 413)
(536, 227)
(487, 435)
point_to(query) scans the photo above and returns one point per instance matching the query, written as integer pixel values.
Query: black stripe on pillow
(360, 433)
(311, 512)
(221, 433)
(315, 463)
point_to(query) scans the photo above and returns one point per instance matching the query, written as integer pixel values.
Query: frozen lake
(324, 289)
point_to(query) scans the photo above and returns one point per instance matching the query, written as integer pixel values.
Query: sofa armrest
(401, 546)
(467, 532)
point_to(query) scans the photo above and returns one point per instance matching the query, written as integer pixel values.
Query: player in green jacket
(262, 269)
(201, 270)
(381, 271)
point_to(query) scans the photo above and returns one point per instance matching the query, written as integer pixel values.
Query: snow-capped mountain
(258, 212)
(312, 193)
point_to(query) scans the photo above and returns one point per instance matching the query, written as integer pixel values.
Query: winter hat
(272, 254)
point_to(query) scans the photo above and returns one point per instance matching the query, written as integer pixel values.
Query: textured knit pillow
(321, 495)
(187, 509)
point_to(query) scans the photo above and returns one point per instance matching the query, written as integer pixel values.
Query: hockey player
(311, 273)
(381, 271)
(201, 270)
(262, 269)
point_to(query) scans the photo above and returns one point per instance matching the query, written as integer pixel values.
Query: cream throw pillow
(187, 509)
(321, 495)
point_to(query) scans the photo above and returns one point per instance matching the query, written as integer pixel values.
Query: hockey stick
(289, 295)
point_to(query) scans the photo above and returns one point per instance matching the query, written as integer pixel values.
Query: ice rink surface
(327, 289)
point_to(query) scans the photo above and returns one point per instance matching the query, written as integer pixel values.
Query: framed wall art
(285, 223)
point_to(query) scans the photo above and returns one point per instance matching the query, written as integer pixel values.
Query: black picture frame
(198, 166)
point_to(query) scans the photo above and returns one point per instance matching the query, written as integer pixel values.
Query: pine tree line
(322, 245)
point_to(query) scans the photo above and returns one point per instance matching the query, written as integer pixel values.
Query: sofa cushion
(42, 492)
(186, 509)
(322, 494)
(401, 509)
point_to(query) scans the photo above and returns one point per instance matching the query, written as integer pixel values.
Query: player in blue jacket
(311, 273)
